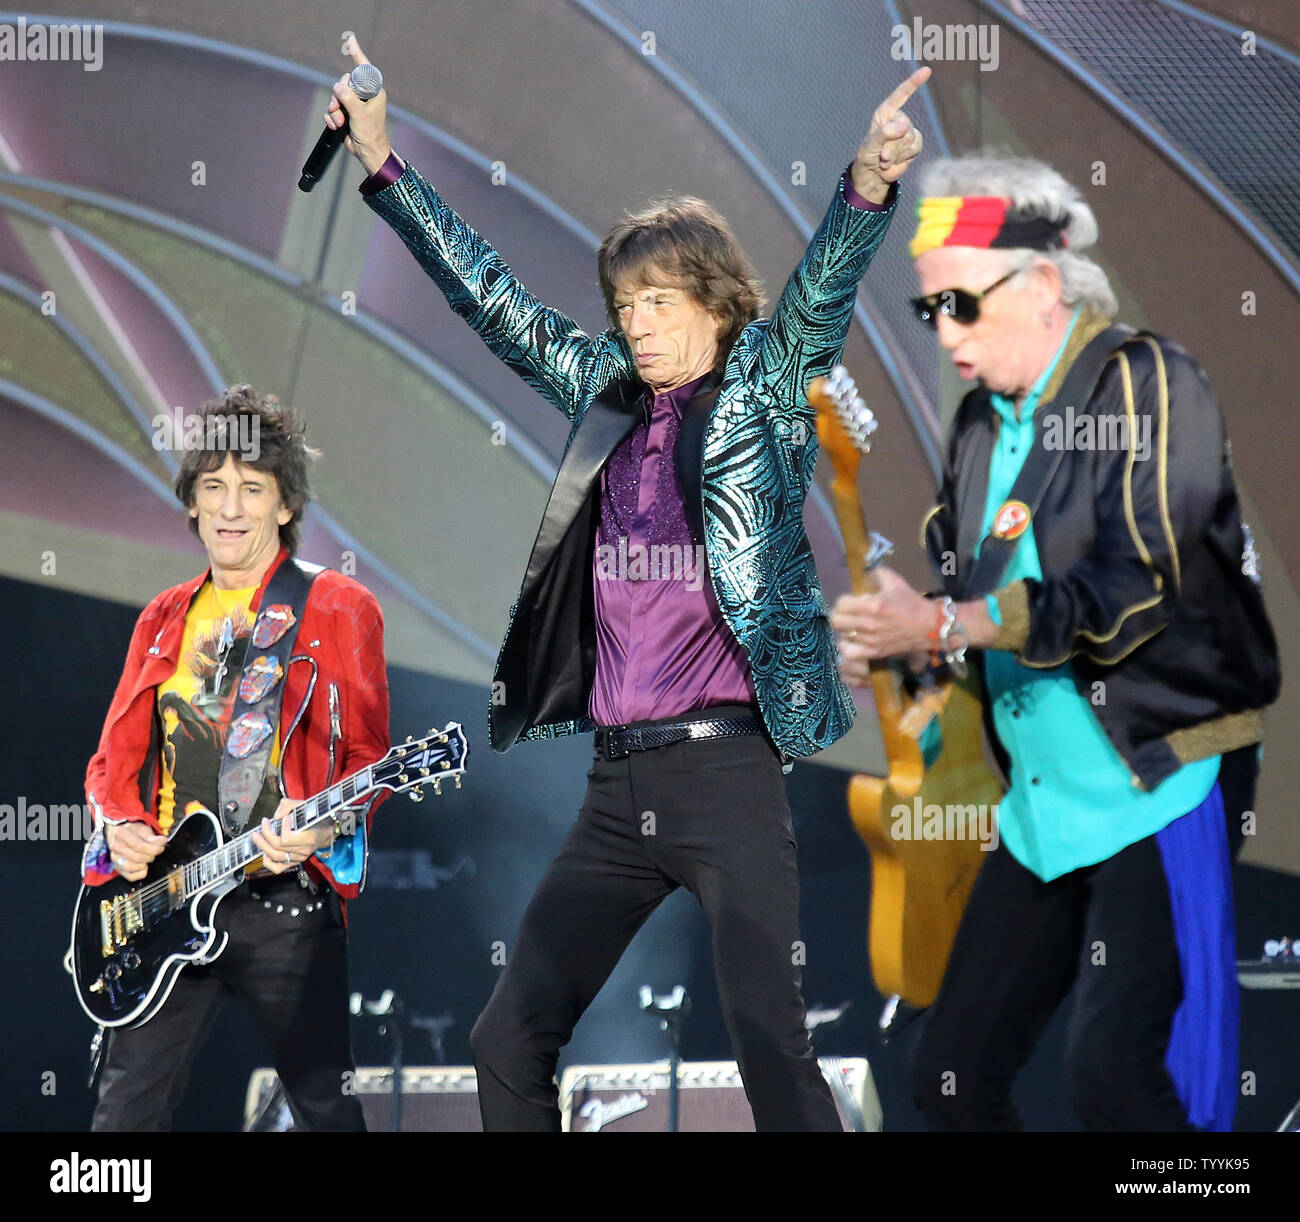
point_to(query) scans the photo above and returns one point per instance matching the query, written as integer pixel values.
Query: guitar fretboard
(241, 851)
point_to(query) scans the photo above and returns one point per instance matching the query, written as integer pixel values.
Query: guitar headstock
(437, 757)
(844, 422)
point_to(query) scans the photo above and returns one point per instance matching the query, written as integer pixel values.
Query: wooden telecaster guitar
(918, 887)
(131, 939)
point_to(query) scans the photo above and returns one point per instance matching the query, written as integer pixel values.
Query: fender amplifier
(711, 1097)
(594, 1098)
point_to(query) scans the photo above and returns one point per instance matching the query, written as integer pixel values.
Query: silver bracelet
(954, 657)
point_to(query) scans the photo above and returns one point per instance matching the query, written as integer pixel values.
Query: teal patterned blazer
(745, 456)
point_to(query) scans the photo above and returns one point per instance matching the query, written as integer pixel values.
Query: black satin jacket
(1149, 581)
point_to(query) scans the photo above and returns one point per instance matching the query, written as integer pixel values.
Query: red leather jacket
(338, 656)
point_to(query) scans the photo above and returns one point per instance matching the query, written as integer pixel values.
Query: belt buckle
(609, 752)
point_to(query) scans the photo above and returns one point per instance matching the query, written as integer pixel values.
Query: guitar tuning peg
(437, 786)
(457, 779)
(424, 772)
(416, 794)
(408, 738)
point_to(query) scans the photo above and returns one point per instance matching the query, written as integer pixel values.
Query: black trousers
(292, 971)
(711, 816)
(1023, 944)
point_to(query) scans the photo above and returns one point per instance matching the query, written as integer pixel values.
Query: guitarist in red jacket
(262, 678)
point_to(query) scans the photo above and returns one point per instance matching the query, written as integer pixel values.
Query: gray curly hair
(1034, 189)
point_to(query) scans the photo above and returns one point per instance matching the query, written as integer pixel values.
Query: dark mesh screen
(1237, 115)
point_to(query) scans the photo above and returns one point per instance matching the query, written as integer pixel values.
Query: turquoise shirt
(1073, 800)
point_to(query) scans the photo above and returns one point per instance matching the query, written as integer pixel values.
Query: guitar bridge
(119, 920)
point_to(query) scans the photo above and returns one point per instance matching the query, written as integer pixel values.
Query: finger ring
(287, 859)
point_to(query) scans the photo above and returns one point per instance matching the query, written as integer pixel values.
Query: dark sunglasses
(958, 304)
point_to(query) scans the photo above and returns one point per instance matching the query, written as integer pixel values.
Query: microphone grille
(366, 81)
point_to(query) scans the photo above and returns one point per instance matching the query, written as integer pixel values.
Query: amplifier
(593, 1098)
(435, 1099)
(711, 1097)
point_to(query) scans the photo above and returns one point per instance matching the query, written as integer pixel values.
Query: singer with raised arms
(691, 437)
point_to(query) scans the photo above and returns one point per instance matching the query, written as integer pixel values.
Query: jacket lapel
(611, 417)
(689, 453)
(973, 479)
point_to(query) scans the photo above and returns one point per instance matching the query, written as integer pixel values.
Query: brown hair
(280, 450)
(690, 242)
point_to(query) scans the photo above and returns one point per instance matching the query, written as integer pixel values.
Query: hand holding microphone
(357, 119)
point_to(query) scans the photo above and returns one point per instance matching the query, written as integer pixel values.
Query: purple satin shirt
(662, 645)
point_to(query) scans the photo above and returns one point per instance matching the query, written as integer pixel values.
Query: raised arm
(544, 346)
(811, 321)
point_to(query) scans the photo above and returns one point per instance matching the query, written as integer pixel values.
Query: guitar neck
(857, 549)
(237, 854)
(853, 526)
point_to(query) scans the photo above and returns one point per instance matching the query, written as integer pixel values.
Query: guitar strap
(260, 694)
(1013, 519)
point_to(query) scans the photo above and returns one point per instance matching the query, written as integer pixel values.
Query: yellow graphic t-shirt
(195, 705)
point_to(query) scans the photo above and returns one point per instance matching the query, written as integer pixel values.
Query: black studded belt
(618, 742)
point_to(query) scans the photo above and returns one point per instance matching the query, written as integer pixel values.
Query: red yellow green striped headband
(981, 220)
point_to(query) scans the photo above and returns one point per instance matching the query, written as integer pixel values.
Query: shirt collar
(678, 399)
(1006, 406)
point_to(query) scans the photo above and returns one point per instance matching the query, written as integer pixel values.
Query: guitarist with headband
(262, 677)
(1095, 562)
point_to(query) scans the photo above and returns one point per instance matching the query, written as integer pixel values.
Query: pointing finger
(353, 48)
(898, 99)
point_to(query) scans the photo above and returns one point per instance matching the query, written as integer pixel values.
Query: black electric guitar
(130, 939)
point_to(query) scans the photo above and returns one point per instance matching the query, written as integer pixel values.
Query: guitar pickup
(132, 914)
(175, 890)
(119, 919)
